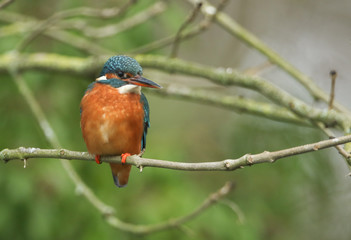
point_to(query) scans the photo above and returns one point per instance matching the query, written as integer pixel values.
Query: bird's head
(125, 70)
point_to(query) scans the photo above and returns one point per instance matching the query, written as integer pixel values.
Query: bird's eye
(121, 74)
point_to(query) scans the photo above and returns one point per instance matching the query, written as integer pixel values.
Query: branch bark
(220, 76)
(232, 102)
(234, 28)
(225, 165)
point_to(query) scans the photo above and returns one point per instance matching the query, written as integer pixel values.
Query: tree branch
(225, 165)
(232, 102)
(29, 24)
(174, 222)
(220, 76)
(188, 20)
(234, 28)
(113, 29)
(201, 27)
(231, 77)
(343, 152)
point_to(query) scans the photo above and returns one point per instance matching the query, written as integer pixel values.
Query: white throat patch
(129, 88)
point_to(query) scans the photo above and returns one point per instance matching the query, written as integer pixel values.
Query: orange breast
(112, 123)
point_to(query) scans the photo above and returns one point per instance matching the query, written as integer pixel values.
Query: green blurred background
(302, 197)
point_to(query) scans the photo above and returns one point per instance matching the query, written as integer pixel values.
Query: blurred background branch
(230, 25)
(217, 75)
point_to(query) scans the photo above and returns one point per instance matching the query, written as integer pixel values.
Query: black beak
(144, 82)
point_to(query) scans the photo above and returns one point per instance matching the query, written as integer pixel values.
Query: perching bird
(115, 114)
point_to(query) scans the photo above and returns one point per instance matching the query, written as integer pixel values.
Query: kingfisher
(115, 114)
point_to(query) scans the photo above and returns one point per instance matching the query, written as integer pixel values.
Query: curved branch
(81, 11)
(221, 76)
(225, 165)
(232, 102)
(234, 28)
(188, 20)
(231, 77)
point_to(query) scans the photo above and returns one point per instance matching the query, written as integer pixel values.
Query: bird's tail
(120, 174)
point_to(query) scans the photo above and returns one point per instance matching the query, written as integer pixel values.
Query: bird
(115, 114)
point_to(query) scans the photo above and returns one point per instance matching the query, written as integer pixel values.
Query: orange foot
(124, 157)
(97, 159)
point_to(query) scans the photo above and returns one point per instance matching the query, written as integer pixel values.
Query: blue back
(145, 103)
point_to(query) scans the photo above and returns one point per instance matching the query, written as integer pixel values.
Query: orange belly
(112, 123)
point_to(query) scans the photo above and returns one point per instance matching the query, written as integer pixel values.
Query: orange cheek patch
(111, 75)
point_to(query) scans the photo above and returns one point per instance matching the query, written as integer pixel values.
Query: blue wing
(143, 100)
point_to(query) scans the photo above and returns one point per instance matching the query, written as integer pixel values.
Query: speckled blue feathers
(122, 63)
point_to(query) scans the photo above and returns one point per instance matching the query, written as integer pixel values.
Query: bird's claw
(124, 157)
(97, 159)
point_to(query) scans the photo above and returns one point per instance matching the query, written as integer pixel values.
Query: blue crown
(122, 63)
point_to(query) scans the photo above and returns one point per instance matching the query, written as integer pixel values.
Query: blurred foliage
(39, 202)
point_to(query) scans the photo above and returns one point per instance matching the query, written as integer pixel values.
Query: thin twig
(333, 75)
(224, 165)
(113, 29)
(83, 11)
(188, 20)
(234, 28)
(201, 27)
(340, 149)
(178, 222)
(28, 24)
(236, 209)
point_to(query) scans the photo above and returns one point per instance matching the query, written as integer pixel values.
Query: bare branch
(82, 11)
(110, 30)
(201, 27)
(333, 75)
(236, 209)
(56, 32)
(220, 76)
(234, 28)
(27, 24)
(342, 151)
(189, 19)
(232, 102)
(174, 222)
(225, 165)
(228, 76)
